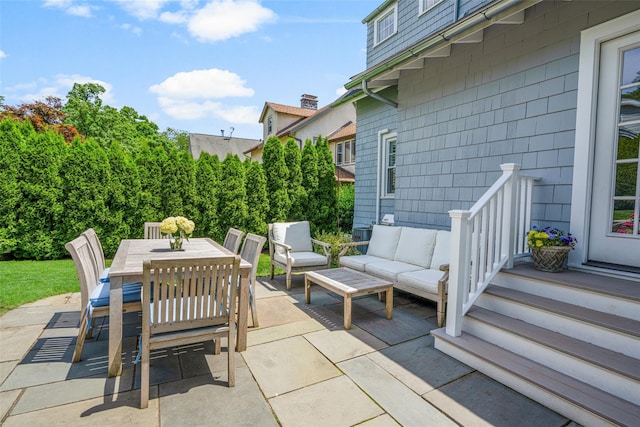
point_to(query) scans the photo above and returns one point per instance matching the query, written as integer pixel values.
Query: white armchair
(291, 249)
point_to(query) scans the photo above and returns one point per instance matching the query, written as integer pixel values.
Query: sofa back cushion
(441, 251)
(295, 234)
(384, 241)
(415, 246)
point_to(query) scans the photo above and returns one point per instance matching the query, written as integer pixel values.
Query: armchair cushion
(389, 270)
(295, 234)
(421, 280)
(384, 241)
(302, 259)
(358, 262)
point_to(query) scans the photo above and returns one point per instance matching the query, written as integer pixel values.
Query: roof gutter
(380, 98)
(479, 17)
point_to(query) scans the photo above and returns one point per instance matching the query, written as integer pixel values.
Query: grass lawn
(28, 281)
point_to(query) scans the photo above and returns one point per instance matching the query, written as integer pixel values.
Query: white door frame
(590, 42)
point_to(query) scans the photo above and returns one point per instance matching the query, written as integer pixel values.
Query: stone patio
(301, 368)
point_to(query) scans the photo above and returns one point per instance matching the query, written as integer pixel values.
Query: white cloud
(205, 84)
(194, 95)
(224, 19)
(2, 54)
(134, 29)
(142, 9)
(58, 86)
(70, 7)
(179, 17)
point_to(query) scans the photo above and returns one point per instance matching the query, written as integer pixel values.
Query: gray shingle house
(456, 90)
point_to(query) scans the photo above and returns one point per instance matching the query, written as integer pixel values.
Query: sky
(200, 66)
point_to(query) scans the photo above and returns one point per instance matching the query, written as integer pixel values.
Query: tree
(85, 180)
(257, 200)
(206, 197)
(277, 174)
(122, 199)
(232, 208)
(309, 166)
(83, 109)
(150, 165)
(13, 138)
(47, 115)
(327, 212)
(295, 190)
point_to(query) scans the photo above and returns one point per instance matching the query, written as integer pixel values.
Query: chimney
(309, 102)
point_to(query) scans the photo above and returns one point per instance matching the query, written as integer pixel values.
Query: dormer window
(269, 125)
(386, 25)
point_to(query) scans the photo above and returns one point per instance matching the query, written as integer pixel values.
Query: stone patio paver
(264, 335)
(288, 364)
(419, 366)
(480, 401)
(398, 400)
(334, 402)
(338, 345)
(381, 421)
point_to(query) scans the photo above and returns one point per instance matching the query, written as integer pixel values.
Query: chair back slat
(86, 267)
(96, 247)
(152, 231)
(189, 293)
(251, 249)
(233, 239)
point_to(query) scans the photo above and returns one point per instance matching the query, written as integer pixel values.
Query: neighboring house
(455, 88)
(220, 145)
(307, 122)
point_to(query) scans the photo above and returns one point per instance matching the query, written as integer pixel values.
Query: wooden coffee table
(348, 283)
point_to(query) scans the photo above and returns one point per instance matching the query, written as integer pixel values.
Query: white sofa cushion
(415, 246)
(358, 262)
(441, 251)
(384, 241)
(425, 280)
(295, 234)
(389, 270)
(302, 259)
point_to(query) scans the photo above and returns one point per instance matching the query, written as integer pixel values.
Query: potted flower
(178, 225)
(550, 248)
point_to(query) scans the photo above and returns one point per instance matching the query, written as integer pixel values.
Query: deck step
(590, 353)
(590, 399)
(605, 320)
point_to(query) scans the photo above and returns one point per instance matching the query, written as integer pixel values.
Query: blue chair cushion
(104, 276)
(100, 295)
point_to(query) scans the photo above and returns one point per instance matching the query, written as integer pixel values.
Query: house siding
(373, 117)
(509, 99)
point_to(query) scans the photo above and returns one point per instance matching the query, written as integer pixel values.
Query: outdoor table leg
(347, 311)
(243, 311)
(115, 327)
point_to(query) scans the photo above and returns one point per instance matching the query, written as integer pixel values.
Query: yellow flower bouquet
(550, 248)
(180, 225)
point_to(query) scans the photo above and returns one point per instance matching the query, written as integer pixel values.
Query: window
(389, 162)
(386, 25)
(269, 125)
(427, 4)
(346, 153)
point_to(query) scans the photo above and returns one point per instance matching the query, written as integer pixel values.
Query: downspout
(380, 98)
(378, 173)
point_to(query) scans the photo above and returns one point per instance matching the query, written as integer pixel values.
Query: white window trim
(394, 8)
(422, 10)
(590, 42)
(339, 150)
(384, 138)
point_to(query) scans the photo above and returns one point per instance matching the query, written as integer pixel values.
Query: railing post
(458, 270)
(509, 211)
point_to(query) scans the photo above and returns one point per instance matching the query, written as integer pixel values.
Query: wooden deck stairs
(570, 341)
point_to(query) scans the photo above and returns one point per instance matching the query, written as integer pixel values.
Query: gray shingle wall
(509, 99)
(373, 117)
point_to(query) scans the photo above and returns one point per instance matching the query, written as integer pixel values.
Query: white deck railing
(485, 239)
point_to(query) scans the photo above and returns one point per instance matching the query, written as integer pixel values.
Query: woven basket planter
(550, 258)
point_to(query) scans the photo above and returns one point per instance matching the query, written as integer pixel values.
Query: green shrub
(335, 239)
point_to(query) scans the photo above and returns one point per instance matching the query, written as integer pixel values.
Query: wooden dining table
(127, 267)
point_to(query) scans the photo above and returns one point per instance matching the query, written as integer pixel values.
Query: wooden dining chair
(233, 239)
(94, 295)
(194, 300)
(152, 231)
(98, 253)
(250, 252)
